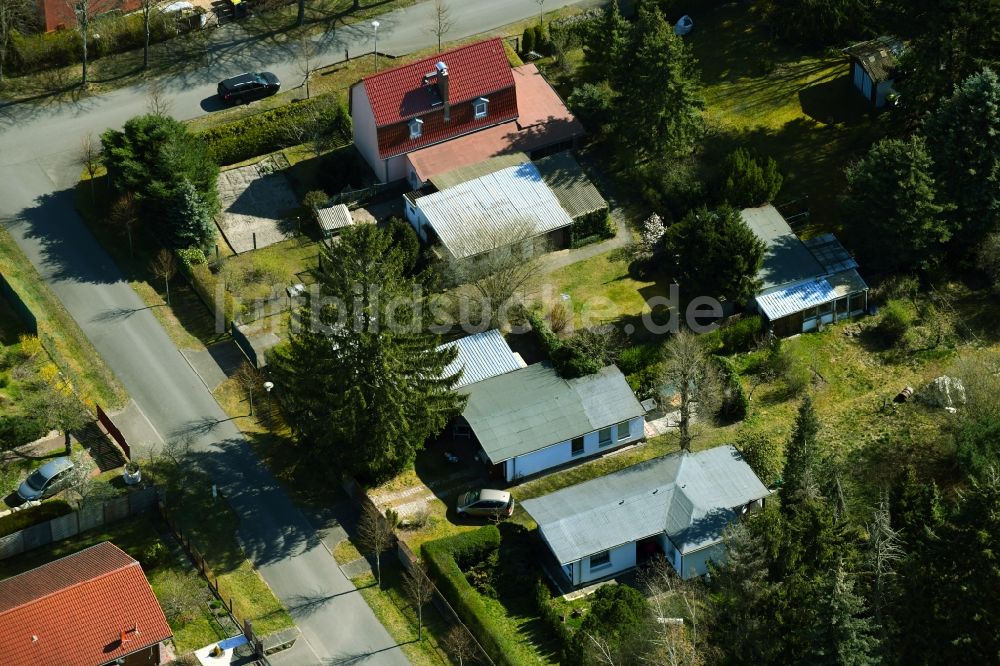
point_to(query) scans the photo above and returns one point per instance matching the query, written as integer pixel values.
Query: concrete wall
(622, 559)
(561, 453)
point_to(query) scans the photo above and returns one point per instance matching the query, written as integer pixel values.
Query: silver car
(492, 503)
(45, 480)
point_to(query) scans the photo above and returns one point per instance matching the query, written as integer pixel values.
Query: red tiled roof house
(469, 95)
(91, 608)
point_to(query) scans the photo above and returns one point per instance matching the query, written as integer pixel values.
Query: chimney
(442, 82)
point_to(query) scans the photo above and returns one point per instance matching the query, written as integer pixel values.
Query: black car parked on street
(248, 87)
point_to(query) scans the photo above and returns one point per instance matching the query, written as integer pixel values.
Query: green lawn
(182, 593)
(396, 612)
(799, 109)
(66, 344)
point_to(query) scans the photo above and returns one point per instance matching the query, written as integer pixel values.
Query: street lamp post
(375, 25)
(267, 387)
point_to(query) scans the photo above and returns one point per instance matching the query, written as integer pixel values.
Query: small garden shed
(873, 67)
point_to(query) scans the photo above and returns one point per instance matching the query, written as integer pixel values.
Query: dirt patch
(258, 205)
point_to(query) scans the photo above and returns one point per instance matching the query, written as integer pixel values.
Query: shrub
(736, 337)
(591, 102)
(762, 453)
(978, 445)
(528, 39)
(550, 618)
(637, 358)
(405, 239)
(191, 256)
(896, 319)
(17, 430)
(559, 317)
(748, 180)
(646, 382)
(512, 58)
(313, 200)
(443, 558)
(567, 359)
(674, 186)
(268, 131)
(735, 402)
(153, 555)
(597, 223)
(19, 520)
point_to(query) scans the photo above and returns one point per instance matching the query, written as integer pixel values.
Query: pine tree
(365, 382)
(841, 635)
(607, 46)
(188, 223)
(714, 253)
(658, 113)
(963, 136)
(892, 212)
(800, 476)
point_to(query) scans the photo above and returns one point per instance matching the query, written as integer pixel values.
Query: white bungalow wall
(622, 559)
(562, 453)
(366, 138)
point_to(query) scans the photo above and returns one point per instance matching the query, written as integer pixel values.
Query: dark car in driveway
(248, 87)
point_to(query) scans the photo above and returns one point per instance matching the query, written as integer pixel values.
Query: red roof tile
(473, 71)
(76, 611)
(544, 120)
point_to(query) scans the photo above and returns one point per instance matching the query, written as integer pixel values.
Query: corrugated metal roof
(486, 213)
(334, 218)
(847, 282)
(443, 181)
(480, 357)
(576, 194)
(783, 301)
(532, 408)
(830, 253)
(786, 259)
(688, 496)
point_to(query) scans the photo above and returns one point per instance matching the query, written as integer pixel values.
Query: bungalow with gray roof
(531, 419)
(676, 505)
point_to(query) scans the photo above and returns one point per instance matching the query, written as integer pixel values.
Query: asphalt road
(39, 165)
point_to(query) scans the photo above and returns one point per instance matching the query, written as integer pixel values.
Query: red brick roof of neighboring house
(473, 71)
(544, 120)
(85, 609)
(57, 14)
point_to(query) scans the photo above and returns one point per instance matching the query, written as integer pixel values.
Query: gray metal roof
(533, 407)
(486, 213)
(879, 57)
(830, 253)
(443, 181)
(334, 218)
(783, 301)
(689, 496)
(786, 259)
(570, 184)
(480, 357)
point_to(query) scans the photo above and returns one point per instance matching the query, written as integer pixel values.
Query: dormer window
(481, 107)
(416, 128)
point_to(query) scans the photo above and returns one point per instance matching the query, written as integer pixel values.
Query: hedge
(32, 53)
(267, 131)
(736, 402)
(19, 520)
(597, 223)
(550, 618)
(738, 336)
(568, 361)
(442, 557)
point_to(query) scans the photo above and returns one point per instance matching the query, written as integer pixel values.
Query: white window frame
(416, 128)
(602, 565)
(600, 438)
(481, 108)
(628, 431)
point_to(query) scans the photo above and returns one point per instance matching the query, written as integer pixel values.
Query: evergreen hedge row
(19, 520)
(443, 557)
(268, 131)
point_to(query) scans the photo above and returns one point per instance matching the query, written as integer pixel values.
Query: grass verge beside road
(67, 345)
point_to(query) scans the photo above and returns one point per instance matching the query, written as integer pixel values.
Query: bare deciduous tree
(497, 264)
(692, 374)
(312, 127)
(440, 21)
(248, 378)
(307, 53)
(124, 214)
(885, 551)
(15, 16)
(60, 408)
(674, 641)
(157, 102)
(459, 644)
(85, 12)
(91, 152)
(164, 266)
(420, 589)
(375, 535)
(146, 8)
